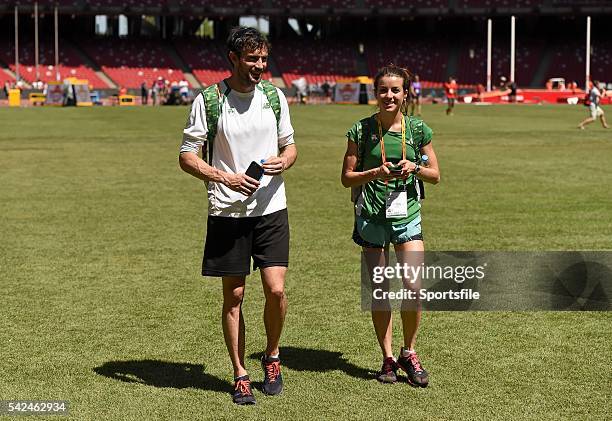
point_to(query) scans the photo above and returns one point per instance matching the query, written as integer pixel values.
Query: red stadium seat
(316, 61)
(71, 64)
(129, 62)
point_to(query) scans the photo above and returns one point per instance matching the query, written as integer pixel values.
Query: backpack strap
(272, 95)
(212, 105)
(416, 127)
(363, 132)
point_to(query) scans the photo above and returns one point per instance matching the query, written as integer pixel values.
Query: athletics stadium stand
(316, 61)
(472, 63)
(601, 60)
(428, 59)
(402, 4)
(71, 64)
(217, 3)
(4, 77)
(514, 4)
(567, 62)
(294, 4)
(129, 62)
(204, 58)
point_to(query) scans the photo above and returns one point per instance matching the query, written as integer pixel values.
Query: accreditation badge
(397, 204)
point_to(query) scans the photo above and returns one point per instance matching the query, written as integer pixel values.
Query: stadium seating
(125, 3)
(392, 4)
(5, 77)
(472, 63)
(464, 4)
(71, 64)
(217, 3)
(129, 62)
(428, 59)
(601, 61)
(206, 60)
(295, 4)
(316, 61)
(567, 62)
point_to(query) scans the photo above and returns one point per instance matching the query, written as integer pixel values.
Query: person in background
(154, 93)
(450, 90)
(415, 96)
(512, 87)
(144, 93)
(594, 98)
(326, 91)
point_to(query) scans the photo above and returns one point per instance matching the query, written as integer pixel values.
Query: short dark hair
(242, 39)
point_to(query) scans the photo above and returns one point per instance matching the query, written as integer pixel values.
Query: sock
(271, 356)
(405, 352)
(241, 377)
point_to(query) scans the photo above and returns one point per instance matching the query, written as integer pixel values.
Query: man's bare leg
(233, 322)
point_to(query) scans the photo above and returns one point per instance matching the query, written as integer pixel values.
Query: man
(512, 94)
(247, 218)
(594, 97)
(450, 89)
(144, 93)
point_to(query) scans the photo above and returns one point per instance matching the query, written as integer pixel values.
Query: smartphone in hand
(255, 171)
(396, 169)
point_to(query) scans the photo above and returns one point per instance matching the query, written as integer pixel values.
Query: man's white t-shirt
(247, 132)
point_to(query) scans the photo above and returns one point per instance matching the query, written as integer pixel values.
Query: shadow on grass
(163, 374)
(318, 360)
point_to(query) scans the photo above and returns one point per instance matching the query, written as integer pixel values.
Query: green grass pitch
(102, 303)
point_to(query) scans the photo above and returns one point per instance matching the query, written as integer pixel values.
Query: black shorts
(232, 242)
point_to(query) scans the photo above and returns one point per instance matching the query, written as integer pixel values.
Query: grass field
(102, 303)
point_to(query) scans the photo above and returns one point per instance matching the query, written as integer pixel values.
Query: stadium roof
(316, 8)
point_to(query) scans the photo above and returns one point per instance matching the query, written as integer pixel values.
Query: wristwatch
(417, 169)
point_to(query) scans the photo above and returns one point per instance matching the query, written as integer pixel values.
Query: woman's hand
(408, 168)
(384, 173)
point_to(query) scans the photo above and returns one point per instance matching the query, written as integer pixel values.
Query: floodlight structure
(512, 47)
(36, 40)
(16, 44)
(489, 42)
(57, 71)
(587, 69)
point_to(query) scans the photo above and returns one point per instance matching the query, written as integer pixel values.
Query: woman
(387, 206)
(415, 96)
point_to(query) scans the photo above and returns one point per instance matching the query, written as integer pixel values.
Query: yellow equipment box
(126, 100)
(37, 98)
(14, 97)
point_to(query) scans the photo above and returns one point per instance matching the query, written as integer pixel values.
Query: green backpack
(364, 132)
(213, 103)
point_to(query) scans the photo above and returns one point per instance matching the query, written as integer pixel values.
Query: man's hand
(241, 183)
(274, 165)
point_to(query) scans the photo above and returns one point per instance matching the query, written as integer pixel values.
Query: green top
(371, 205)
